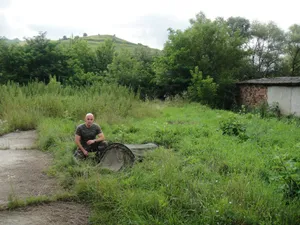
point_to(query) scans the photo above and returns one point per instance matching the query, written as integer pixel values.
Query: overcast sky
(142, 21)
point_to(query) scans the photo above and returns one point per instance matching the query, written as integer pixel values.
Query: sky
(137, 21)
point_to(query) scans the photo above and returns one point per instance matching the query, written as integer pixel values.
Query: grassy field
(211, 167)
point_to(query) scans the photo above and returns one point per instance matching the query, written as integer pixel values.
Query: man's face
(89, 120)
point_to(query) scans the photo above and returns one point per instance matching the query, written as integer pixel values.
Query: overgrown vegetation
(198, 175)
(223, 51)
(211, 167)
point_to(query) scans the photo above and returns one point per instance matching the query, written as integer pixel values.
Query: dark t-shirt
(87, 133)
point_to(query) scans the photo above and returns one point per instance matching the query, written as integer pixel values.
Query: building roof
(277, 81)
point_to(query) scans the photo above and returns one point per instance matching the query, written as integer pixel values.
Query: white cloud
(4, 3)
(143, 22)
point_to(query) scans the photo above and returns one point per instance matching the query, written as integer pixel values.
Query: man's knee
(98, 146)
(78, 154)
(102, 145)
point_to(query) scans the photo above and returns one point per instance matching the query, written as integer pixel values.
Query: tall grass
(198, 175)
(22, 107)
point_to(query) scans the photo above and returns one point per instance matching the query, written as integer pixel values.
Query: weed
(233, 126)
(288, 174)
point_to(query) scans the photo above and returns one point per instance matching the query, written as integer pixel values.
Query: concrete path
(22, 171)
(23, 174)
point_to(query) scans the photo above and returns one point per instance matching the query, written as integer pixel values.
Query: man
(89, 138)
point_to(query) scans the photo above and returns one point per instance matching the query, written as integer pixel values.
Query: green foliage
(198, 175)
(227, 50)
(267, 48)
(104, 55)
(202, 90)
(265, 110)
(84, 79)
(293, 50)
(22, 107)
(74, 62)
(211, 178)
(208, 45)
(167, 136)
(15, 202)
(13, 62)
(233, 126)
(133, 70)
(287, 172)
(240, 25)
(82, 56)
(37, 59)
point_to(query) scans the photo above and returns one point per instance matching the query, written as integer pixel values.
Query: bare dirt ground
(23, 174)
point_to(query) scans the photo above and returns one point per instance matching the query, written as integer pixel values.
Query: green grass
(37, 200)
(198, 175)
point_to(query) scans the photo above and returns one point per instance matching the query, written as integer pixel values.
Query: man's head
(89, 119)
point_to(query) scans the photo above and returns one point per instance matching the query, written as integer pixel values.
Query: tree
(104, 55)
(44, 59)
(239, 24)
(172, 67)
(82, 56)
(293, 50)
(84, 34)
(210, 45)
(267, 47)
(133, 70)
(202, 90)
(38, 59)
(13, 62)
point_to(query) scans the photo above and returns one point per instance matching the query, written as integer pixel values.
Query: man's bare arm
(77, 141)
(100, 137)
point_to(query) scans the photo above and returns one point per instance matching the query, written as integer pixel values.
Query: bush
(232, 126)
(287, 172)
(202, 90)
(265, 110)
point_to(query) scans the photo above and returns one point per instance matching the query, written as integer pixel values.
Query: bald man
(89, 138)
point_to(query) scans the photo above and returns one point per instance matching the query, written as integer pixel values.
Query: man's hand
(85, 152)
(89, 142)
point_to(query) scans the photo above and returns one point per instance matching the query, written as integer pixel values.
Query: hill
(11, 41)
(94, 41)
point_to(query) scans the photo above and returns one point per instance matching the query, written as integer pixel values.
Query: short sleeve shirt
(87, 133)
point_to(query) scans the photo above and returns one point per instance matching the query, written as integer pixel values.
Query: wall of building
(253, 95)
(287, 97)
(295, 105)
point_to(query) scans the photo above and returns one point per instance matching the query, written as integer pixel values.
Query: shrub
(287, 170)
(202, 90)
(233, 126)
(265, 110)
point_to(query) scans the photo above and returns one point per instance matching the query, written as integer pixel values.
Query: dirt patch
(58, 213)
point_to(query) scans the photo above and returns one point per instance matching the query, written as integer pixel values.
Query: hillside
(11, 41)
(94, 41)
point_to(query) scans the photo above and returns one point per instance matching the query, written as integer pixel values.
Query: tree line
(201, 63)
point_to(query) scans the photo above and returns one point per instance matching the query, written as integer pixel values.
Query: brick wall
(253, 95)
